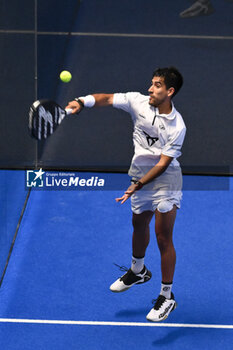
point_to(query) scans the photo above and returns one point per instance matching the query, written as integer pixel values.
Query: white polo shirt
(154, 134)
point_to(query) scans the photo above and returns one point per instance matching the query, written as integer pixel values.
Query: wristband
(138, 183)
(88, 101)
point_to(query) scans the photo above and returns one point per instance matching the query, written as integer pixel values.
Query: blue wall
(113, 63)
(17, 61)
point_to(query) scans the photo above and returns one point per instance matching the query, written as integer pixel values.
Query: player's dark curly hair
(172, 78)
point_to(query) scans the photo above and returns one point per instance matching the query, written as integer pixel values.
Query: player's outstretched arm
(88, 101)
(154, 172)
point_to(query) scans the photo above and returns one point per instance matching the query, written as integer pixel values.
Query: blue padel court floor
(55, 293)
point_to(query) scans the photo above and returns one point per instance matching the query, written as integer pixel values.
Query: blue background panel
(17, 15)
(57, 15)
(138, 16)
(17, 92)
(112, 65)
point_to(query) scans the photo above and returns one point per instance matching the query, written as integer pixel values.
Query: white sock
(166, 289)
(137, 264)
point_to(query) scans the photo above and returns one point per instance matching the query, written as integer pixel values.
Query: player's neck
(165, 107)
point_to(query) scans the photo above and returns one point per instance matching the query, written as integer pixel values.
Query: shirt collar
(169, 116)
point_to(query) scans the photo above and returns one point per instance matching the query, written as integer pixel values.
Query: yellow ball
(65, 76)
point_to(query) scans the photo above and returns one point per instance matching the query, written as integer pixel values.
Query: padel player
(156, 178)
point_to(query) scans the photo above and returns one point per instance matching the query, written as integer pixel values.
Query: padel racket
(44, 118)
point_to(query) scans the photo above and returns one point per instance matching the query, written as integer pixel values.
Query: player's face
(158, 92)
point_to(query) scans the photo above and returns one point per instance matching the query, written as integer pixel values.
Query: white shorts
(167, 187)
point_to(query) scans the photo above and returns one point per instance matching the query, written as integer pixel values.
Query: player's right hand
(75, 106)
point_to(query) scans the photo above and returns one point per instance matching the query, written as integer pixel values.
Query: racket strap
(79, 102)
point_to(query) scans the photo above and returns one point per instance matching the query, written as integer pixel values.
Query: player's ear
(171, 91)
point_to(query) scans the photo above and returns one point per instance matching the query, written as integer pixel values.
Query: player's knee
(139, 222)
(163, 242)
(165, 206)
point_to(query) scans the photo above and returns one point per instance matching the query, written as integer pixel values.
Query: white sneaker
(129, 279)
(162, 308)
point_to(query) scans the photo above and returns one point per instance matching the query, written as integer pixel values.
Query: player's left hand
(128, 193)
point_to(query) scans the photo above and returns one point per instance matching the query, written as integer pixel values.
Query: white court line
(162, 36)
(122, 35)
(126, 324)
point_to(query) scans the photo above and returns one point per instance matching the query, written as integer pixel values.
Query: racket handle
(68, 110)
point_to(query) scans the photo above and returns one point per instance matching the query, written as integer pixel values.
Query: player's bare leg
(164, 223)
(138, 272)
(141, 233)
(165, 303)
